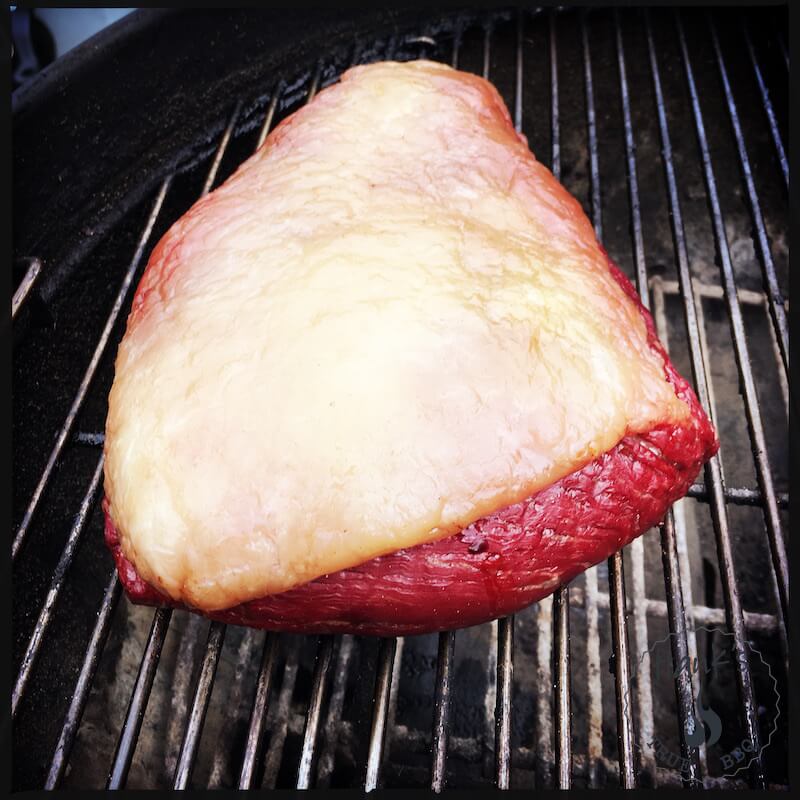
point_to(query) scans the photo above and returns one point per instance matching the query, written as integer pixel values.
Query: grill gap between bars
(712, 491)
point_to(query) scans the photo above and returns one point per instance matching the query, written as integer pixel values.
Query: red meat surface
(504, 561)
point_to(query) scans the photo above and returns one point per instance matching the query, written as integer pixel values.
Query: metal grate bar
(383, 683)
(702, 615)
(563, 731)
(59, 576)
(561, 654)
(621, 659)
(126, 745)
(679, 644)
(334, 724)
(89, 439)
(678, 514)
(441, 709)
(25, 286)
(772, 289)
(458, 32)
(672, 576)
(712, 468)
(505, 674)
(314, 85)
(591, 122)
(738, 496)
(619, 625)
(221, 148)
(518, 71)
(319, 686)
(487, 47)
(768, 109)
(782, 45)
(81, 694)
(255, 731)
(758, 438)
(80, 396)
(555, 163)
(273, 104)
(202, 695)
(489, 700)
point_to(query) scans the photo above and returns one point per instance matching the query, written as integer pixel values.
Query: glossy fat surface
(389, 323)
(504, 561)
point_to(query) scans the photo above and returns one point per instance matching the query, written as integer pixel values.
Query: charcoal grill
(669, 126)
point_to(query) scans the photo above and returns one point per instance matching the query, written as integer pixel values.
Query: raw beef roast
(385, 380)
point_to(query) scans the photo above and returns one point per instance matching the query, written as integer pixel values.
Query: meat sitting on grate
(385, 380)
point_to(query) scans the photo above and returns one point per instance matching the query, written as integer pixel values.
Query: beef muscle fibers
(385, 380)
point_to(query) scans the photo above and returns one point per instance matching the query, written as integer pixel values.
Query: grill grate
(570, 733)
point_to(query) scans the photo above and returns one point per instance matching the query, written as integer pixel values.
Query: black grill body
(670, 127)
